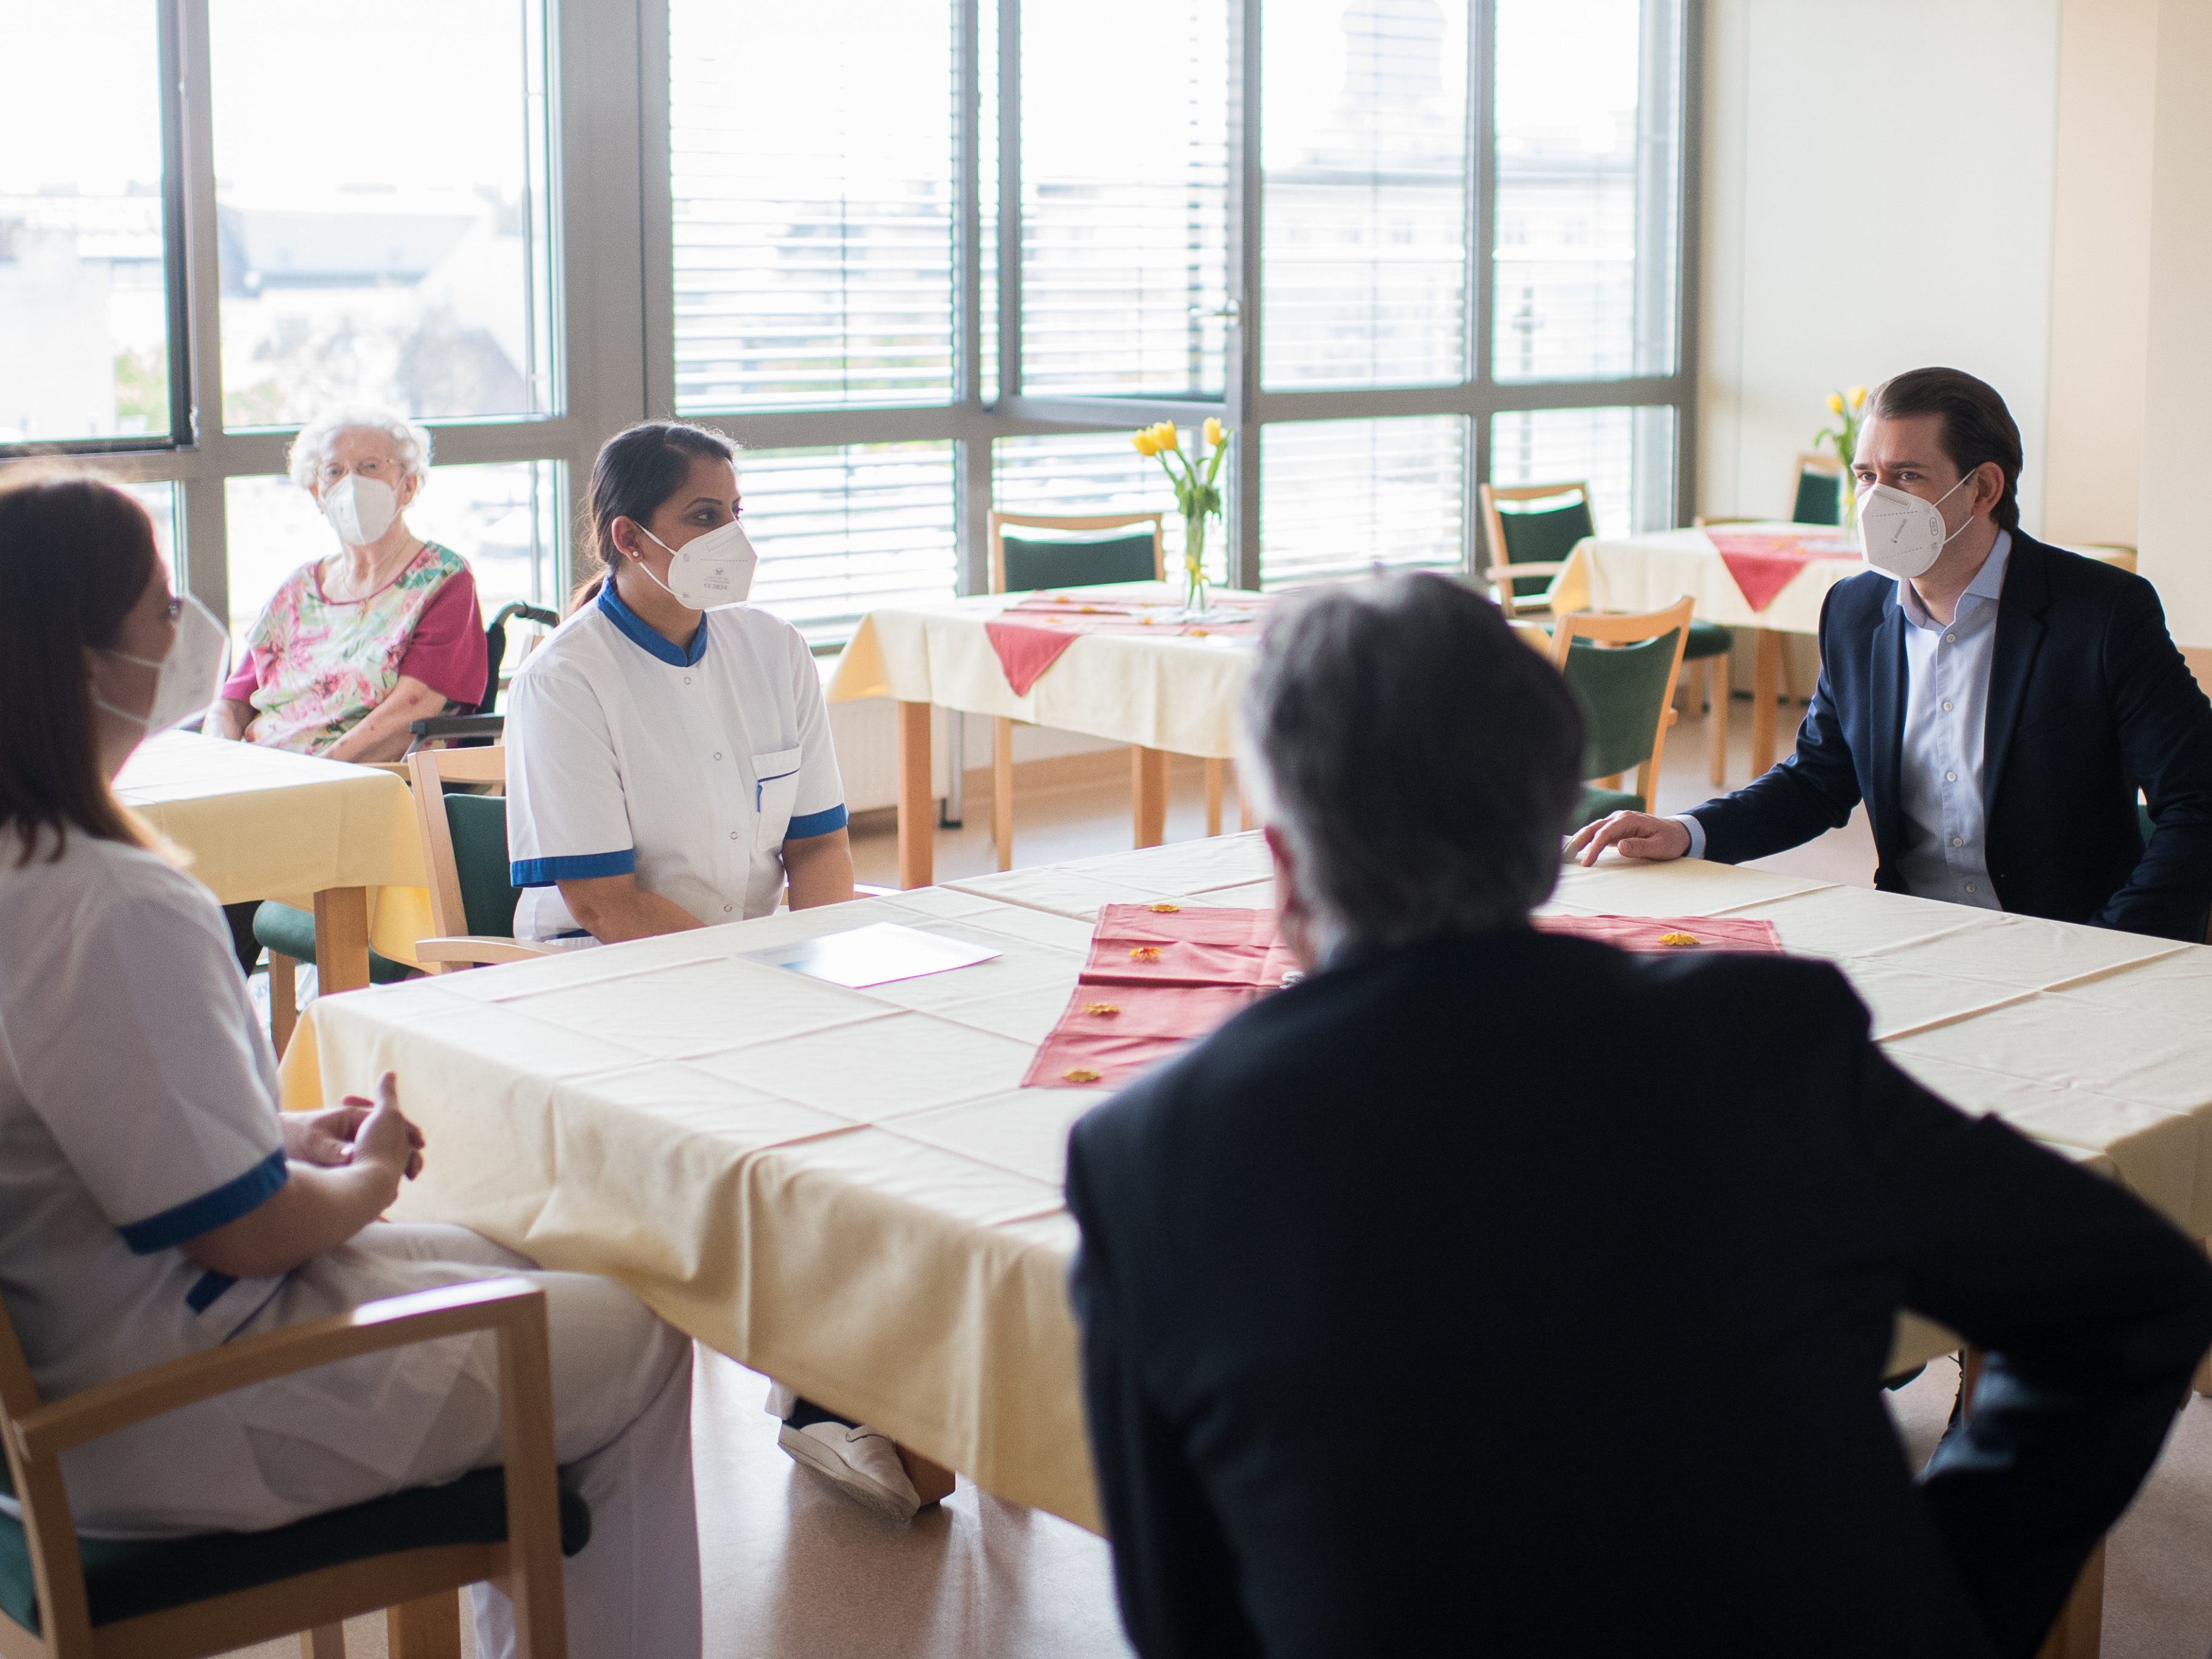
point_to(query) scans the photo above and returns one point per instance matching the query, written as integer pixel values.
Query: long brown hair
(637, 471)
(76, 553)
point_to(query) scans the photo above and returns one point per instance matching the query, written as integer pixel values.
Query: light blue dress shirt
(1945, 851)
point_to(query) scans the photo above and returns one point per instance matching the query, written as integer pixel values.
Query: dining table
(1130, 666)
(339, 840)
(851, 1191)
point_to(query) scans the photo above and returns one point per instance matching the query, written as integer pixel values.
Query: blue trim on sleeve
(544, 873)
(208, 1211)
(206, 1289)
(643, 636)
(816, 823)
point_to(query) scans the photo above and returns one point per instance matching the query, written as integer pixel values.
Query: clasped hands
(356, 1130)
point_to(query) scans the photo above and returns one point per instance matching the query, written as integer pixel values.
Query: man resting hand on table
(1490, 1288)
(1996, 709)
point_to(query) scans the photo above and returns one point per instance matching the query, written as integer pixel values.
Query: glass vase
(1194, 597)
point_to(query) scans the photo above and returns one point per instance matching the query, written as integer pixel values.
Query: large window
(921, 257)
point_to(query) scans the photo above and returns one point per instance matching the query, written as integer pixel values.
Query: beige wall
(2100, 267)
(1858, 222)
(2177, 430)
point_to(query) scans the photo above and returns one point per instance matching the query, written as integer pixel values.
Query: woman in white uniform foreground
(154, 1203)
(669, 767)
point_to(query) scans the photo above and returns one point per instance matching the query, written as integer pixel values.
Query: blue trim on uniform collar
(645, 637)
(208, 1211)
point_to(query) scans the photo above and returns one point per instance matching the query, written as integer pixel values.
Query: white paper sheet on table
(878, 954)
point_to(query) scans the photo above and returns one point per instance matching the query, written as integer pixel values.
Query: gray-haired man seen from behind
(1495, 1281)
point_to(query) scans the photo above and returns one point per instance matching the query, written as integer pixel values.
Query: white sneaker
(859, 1461)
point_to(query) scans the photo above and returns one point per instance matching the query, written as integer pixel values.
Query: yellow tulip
(1213, 432)
(1146, 443)
(1166, 433)
(1857, 395)
(1835, 402)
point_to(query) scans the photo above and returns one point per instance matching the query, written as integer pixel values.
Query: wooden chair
(181, 1598)
(464, 852)
(1530, 549)
(1624, 677)
(1024, 564)
(1817, 484)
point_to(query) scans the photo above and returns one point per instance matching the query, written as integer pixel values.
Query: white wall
(1878, 196)
(2101, 268)
(2177, 432)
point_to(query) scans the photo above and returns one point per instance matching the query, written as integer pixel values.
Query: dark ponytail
(638, 469)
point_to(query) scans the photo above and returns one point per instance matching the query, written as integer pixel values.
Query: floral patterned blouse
(315, 667)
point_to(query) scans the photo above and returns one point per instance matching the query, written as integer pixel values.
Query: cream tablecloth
(847, 1189)
(1649, 571)
(1173, 693)
(260, 824)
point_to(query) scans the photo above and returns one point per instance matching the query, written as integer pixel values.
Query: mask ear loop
(1949, 536)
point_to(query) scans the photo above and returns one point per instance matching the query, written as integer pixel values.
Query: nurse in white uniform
(669, 767)
(154, 1203)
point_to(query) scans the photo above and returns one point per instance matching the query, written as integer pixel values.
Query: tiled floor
(794, 1573)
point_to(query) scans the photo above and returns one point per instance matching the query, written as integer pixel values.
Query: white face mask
(708, 571)
(186, 680)
(360, 509)
(1902, 534)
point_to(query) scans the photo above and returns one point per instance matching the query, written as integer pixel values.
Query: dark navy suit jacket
(2089, 700)
(1402, 1337)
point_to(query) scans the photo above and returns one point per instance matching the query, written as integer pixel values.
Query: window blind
(811, 176)
(842, 529)
(1337, 498)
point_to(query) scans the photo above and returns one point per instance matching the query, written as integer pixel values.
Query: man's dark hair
(1974, 425)
(1421, 760)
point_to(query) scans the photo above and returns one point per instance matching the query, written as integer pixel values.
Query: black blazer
(2088, 700)
(1463, 1298)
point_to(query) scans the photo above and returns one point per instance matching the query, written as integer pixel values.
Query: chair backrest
(1622, 671)
(1819, 493)
(465, 841)
(495, 646)
(1076, 554)
(1536, 524)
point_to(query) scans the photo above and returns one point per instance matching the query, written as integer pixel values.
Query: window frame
(609, 218)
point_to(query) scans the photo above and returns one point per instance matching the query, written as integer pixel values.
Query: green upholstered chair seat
(1707, 640)
(126, 1578)
(1035, 563)
(290, 932)
(1596, 803)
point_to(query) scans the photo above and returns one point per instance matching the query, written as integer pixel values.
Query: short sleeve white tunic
(137, 1111)
(689, 768)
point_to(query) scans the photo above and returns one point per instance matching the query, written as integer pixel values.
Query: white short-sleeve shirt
(689, 768)
(138, 1110)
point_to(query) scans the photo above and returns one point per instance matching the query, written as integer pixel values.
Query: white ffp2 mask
(186, 680)
(360, 509)
(1902, 534)
(708, 571)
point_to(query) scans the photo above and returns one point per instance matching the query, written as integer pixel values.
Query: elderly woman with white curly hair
(356, 647)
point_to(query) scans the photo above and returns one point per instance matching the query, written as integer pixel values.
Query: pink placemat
(1158, 977)
(1030, 637)
(1663, 934)
(1762, 565)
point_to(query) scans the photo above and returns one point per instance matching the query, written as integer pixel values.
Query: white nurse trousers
(622, 1417)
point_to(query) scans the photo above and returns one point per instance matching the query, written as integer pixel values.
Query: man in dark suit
(1495, 1291)
(1997, 711)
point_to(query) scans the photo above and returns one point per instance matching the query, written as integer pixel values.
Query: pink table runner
(1762, 565)
(1159, 977)
(1029, 637)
